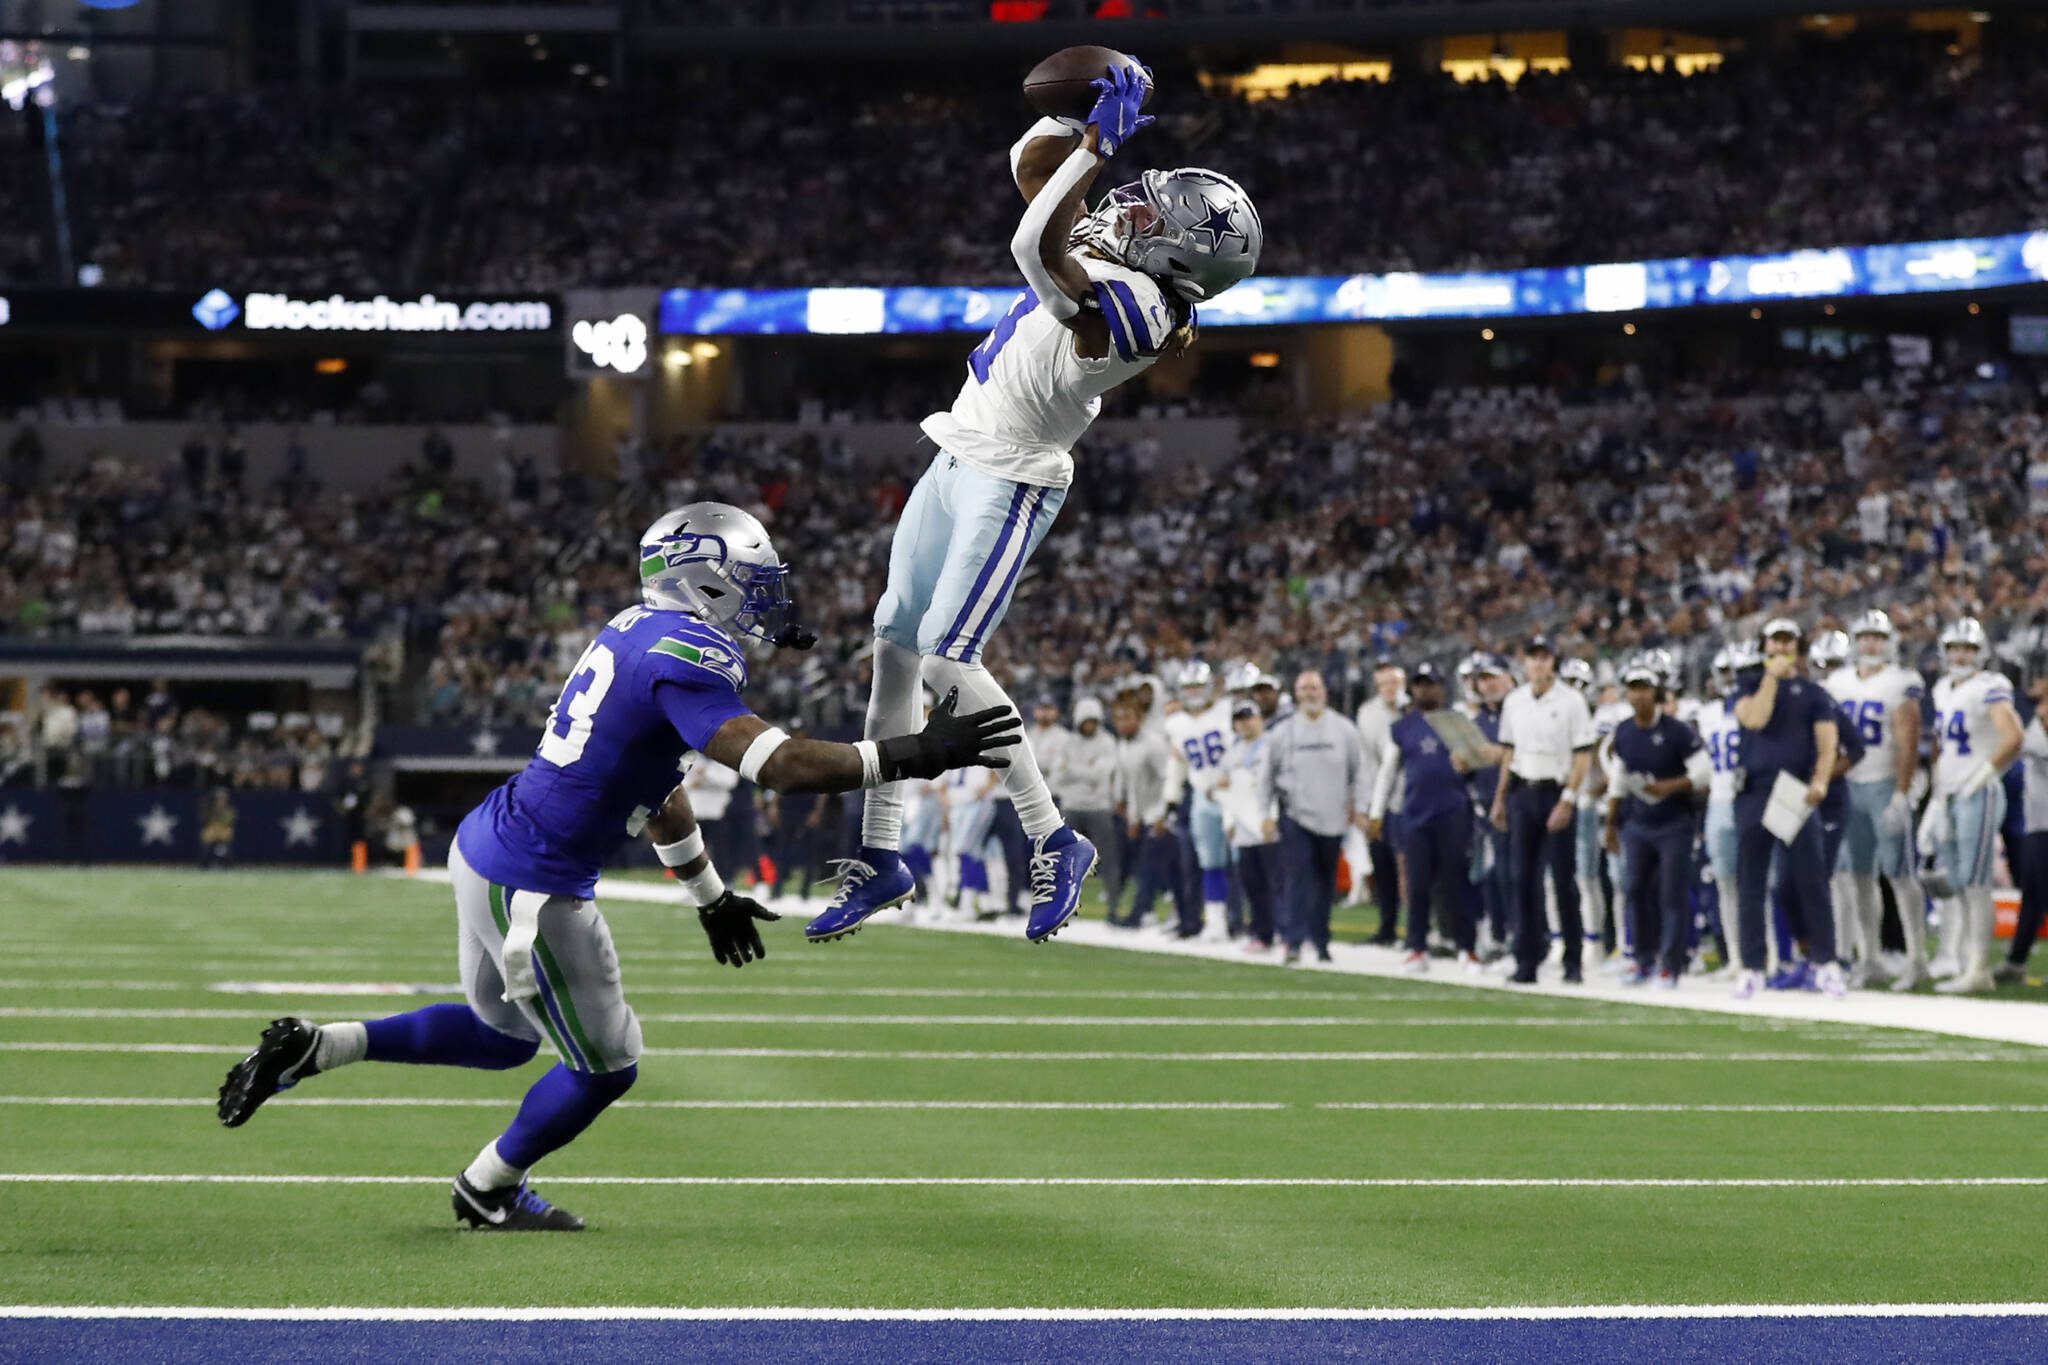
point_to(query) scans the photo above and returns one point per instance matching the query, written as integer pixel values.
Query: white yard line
(1083, 1181)
(296, 1101)
(409, 1102)
(633, 1313)
(918, 1055)
(1354, 1021)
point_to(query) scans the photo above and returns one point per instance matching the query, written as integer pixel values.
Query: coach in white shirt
(1375, 723)
(1547, 731)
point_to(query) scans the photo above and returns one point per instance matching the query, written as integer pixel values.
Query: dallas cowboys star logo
(1220, 225)
(14, 823)
(300, 827)
(484, 744)
(157, 826)
(1429, 746)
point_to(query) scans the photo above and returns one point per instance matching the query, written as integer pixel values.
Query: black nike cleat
(515, 1209)
(281, 1060)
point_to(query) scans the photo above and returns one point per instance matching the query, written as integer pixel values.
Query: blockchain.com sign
(218, 310)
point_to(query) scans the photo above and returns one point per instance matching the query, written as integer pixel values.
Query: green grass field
(1098, 1064)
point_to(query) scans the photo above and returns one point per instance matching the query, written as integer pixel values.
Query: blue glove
(1116, 114)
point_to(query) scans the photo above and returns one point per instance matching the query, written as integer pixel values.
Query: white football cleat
(1747, 984)
(1471, 963)
(1911, 977)
(1968, 983)
(1831, 980)
(1415, 964)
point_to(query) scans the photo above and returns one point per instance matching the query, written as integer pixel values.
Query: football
(1061, 85)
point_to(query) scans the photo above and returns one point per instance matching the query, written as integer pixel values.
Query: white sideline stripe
(1088, 1181)
(1565, 1107)
(2001, 1021)
(408, 1102)
(991, 1020)
(883, 1055)
(296, 1101)
(581, 1313)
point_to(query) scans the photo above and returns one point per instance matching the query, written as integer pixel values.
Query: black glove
(794, 636)
(949, 741)
(729, 924)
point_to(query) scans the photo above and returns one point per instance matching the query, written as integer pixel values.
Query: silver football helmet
(1645, 668)
(1195, 231)
(715, 562)
(1875, 625)
(1723, 671)
(1196, 680)
(1966, 632)
(1828, 652)
(1576, 673)
(1743, 656)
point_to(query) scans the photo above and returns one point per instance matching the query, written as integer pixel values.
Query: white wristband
(760, 751)
(706, 887)
(870, 762)
(682, 850)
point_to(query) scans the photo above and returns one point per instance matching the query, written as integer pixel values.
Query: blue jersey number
(983, 356)
(1870, 723)
(1725, 750)
(1955, 731)
(1204, 750)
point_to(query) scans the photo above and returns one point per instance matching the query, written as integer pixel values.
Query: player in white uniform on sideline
(1199, 734)
(1976, 737)
(1882, 699)
(1107, 295)
(1722, 735)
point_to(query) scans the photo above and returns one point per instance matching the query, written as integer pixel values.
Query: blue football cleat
(1058, 866)
(1794, 976)
(875, 881)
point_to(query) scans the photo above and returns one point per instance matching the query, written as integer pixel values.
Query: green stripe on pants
(562, 998)
(503, 919)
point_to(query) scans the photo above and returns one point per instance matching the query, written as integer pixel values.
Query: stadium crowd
(1862, 139)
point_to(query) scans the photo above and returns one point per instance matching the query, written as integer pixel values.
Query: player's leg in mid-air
(561, 951)
(959, 549)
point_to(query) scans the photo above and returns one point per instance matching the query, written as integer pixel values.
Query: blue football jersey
(651, 688)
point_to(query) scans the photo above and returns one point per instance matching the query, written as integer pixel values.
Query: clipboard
(1785, 810)
(1460, 734)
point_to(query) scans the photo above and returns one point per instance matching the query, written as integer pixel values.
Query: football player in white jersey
(1976, 737)
(1199, 735)
(1882, 698)
(1107, 294)
(1722, 735)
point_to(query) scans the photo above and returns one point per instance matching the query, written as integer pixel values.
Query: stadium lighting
(705, 350)
(1628, 329)
(1486, 334)
(677, 359)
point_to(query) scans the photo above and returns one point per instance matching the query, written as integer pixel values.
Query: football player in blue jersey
(661, 681)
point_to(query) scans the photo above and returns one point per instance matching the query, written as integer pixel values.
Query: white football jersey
(1874, 703)
(1722, 735)
(1962, 720)
(1201, 740)
(1029, 396)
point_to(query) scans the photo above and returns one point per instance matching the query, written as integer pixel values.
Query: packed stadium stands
(1885, 138)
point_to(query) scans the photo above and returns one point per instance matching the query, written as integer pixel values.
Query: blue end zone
(1670, 1341)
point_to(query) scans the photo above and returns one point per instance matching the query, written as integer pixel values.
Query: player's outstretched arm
(1036, 155)
(729, 919)
(765, 755)
(1039, 245)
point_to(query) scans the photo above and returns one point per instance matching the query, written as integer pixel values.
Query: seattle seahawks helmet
(1193, 230)
(1966, 632)
(715, 562)
(1828, 652)
(1875, 625)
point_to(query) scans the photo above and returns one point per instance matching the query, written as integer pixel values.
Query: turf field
(923, 1120)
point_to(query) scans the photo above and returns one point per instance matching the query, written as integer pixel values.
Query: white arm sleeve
(1024, 243)
(1383, 782)
(1045, 127)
